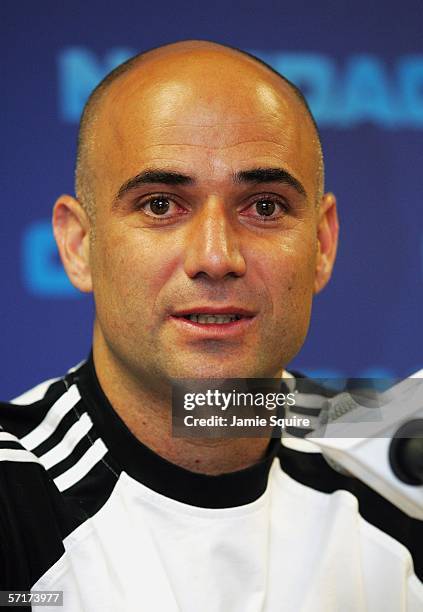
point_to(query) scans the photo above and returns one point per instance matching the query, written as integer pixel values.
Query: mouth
(214, 320)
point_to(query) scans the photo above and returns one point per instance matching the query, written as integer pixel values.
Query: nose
(212, 247)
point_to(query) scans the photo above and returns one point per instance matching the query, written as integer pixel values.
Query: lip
(214, 330)
(214, 310)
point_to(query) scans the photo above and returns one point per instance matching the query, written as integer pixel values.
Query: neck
(146, 411)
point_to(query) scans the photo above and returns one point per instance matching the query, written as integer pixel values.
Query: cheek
(286, 269)
(129, 270)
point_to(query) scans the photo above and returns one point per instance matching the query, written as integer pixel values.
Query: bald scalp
(85, 174)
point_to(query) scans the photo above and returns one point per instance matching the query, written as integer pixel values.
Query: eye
(160, 207)
(266, 208)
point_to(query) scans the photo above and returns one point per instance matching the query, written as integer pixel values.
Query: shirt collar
(141, 463)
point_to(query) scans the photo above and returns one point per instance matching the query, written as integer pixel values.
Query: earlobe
(327, 237)
(71, 227)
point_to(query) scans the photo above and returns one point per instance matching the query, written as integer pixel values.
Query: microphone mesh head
(340, 405)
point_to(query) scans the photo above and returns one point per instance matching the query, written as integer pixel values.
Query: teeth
(208, 319)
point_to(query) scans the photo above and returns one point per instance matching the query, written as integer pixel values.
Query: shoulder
(23, 414)
(26, 421)
(45, 430)
(53, 425)
(48, 452)
(383, 525)
(33, 516)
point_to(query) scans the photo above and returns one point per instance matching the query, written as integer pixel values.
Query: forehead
(210, 117)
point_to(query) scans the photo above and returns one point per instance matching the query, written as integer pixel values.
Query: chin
(222, 370)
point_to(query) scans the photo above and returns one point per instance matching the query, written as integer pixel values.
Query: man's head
(84, 171)
(200, 182)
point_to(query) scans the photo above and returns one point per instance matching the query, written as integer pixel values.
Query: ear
(327, 236)
(71, 227)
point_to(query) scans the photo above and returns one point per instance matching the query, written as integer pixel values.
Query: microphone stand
(378, 439)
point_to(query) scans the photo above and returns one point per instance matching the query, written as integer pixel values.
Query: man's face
(222, 219)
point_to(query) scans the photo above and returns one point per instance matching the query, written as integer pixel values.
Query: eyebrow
(252, 176)
(269, 175)
(164, 177)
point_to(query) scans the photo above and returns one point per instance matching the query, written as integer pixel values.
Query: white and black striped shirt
(86, 508)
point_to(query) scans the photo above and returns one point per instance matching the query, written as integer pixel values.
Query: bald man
(201, 226)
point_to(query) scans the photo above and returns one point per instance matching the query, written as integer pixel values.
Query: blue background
(360, 65)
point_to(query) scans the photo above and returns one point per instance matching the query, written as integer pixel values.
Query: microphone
(378, 437)
(406, 452)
